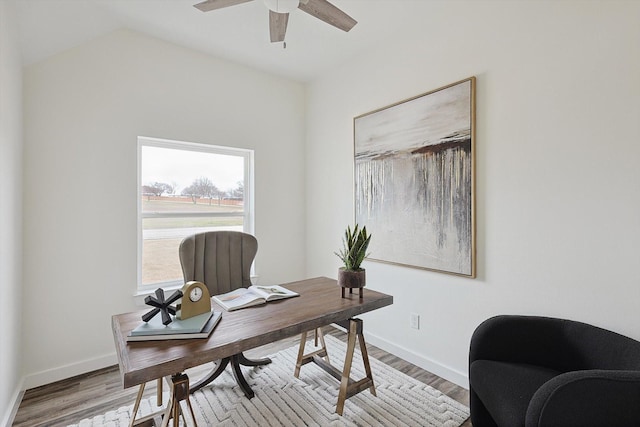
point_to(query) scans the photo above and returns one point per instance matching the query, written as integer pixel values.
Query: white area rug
(282, 400)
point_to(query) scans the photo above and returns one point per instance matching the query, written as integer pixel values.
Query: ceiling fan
(279, 13)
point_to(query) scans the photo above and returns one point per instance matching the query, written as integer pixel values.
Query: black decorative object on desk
(161, 306)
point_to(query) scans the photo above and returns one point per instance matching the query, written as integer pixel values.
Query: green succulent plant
(355, 244)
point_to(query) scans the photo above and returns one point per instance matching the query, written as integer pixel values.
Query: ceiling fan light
(282, 6)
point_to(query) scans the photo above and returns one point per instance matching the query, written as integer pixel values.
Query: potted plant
(354, 251)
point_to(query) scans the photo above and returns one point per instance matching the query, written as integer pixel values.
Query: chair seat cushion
(505, 389)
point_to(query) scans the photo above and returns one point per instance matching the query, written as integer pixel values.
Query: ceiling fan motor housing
(282, 6)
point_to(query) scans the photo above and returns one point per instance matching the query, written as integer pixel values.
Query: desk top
(319, 304)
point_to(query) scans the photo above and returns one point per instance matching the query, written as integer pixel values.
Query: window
(186, 188)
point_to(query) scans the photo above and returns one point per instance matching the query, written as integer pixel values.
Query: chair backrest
(560, 344)
(596, 348)
(219, 259)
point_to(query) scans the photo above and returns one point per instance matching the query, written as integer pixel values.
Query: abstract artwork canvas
(414, 180)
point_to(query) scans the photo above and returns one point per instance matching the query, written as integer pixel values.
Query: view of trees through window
(184, 189)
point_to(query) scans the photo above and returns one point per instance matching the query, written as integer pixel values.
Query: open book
(253, 295)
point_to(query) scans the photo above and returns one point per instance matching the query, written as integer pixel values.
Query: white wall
(84, 109)
(10, 211)
(558, 189)
(558, 181)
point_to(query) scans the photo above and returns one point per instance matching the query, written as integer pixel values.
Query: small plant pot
(349, 279)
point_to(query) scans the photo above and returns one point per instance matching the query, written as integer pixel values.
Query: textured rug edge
(283, 400)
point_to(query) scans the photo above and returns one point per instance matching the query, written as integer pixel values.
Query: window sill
(138, 297)
(168, 288)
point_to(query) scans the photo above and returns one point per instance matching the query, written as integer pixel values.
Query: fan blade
(278, 25)
(328, 13)
(208, 5)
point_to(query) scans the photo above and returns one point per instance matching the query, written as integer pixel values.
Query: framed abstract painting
(415, 180)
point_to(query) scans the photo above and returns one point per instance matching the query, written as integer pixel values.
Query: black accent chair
(539, 371)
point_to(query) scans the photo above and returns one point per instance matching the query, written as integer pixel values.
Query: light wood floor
(69, 401)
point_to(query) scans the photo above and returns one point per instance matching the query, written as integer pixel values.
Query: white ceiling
(239, 33)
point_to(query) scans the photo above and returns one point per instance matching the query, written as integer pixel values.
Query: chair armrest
(587, 398)
(534, 340)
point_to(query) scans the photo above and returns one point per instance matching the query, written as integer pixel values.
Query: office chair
(222, 261)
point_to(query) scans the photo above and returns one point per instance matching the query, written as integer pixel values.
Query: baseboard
(443, 371)
(67, 371)
(14, 404)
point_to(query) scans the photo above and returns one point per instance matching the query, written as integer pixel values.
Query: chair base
(236, 360)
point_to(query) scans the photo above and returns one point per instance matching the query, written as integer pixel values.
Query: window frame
(248, 201)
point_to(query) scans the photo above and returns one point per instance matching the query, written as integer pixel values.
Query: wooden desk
(319, 304)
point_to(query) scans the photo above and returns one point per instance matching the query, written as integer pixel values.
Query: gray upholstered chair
(222, 261)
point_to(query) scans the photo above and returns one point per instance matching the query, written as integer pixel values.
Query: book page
(238, 298)
(272, 292)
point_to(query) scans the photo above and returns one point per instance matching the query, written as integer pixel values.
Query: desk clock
(195, 300)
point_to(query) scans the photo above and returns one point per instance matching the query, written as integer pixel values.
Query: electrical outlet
(415, 321)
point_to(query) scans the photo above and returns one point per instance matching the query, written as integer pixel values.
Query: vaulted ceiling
(239, 33)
